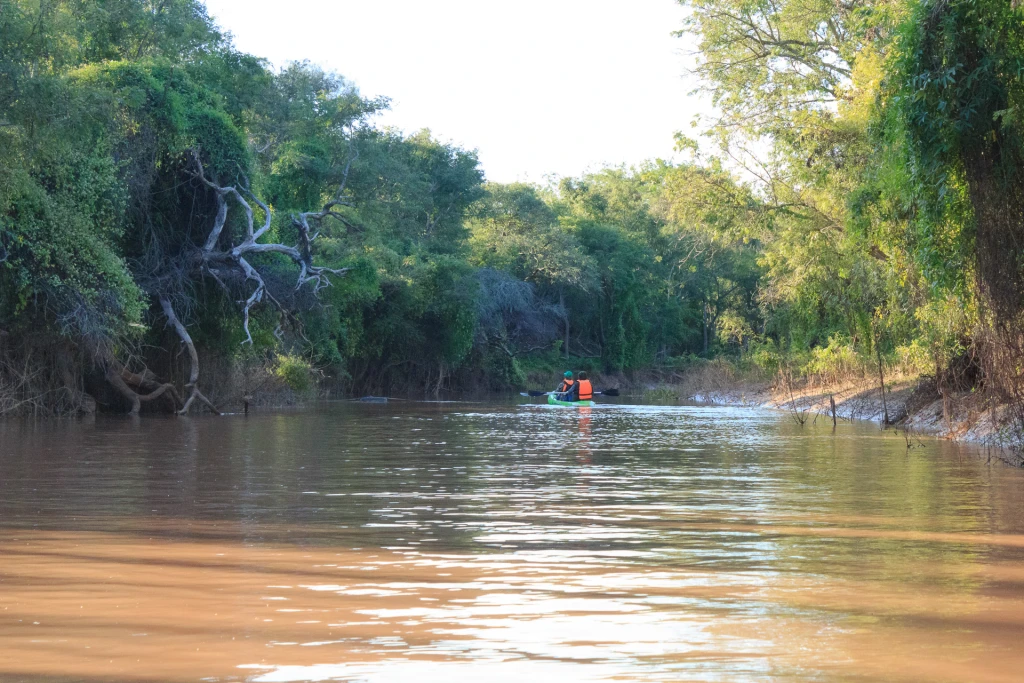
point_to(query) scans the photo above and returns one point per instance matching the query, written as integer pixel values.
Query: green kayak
(552, 401)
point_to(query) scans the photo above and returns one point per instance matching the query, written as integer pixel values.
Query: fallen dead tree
(225, 258)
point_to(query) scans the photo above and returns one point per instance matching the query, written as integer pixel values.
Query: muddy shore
(911, 407)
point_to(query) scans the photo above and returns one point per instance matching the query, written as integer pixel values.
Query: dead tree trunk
(186, 339)
(220, 263)
(123, 380)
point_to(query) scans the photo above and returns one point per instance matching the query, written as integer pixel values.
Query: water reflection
(451, 543)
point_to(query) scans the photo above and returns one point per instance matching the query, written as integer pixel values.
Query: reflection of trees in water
(869, 481)
(447, 476)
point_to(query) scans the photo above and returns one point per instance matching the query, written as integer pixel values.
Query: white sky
(538, 87)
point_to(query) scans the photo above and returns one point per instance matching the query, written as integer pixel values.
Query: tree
(513, 228)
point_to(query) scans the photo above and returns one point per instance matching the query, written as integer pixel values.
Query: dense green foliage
(859, 198)
(886, 146)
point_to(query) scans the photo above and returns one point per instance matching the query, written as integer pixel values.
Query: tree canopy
(857, 191)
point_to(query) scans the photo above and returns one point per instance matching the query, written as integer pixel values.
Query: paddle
(606, 392)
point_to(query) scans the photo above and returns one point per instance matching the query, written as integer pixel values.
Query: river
(457, 542)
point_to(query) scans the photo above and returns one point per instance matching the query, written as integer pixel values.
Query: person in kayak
(566, 389)
(583, 389)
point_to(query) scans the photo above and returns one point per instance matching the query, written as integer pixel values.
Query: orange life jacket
(586, 390)
(566, 386)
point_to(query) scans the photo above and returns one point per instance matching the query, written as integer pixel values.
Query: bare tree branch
(120, 377)
(193, 381)
(225, 260)
(300, 254)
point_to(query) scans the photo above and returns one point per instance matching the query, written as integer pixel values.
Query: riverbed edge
(914, 408)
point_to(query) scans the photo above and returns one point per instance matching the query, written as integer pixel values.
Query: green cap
(568, 374)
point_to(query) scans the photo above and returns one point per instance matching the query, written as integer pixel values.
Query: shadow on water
(456, 542)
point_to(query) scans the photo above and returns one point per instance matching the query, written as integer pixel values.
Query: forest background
(180, 222)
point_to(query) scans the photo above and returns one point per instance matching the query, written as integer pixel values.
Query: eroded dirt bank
(911, 406)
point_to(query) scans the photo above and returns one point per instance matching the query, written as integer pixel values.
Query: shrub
(660, 395)
(914, 359)
(294, 371)
(833, 363)
(504, 371)
(764, 356)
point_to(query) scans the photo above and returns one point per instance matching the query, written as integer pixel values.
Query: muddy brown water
(473, 542)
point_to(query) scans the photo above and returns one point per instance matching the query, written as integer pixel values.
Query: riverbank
(912, 406)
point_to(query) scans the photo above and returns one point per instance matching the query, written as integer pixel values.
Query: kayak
(552, 401)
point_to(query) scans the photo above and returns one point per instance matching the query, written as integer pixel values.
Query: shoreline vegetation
(912, 407)
(185, 228)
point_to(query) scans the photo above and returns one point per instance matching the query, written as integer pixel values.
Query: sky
(540, 88)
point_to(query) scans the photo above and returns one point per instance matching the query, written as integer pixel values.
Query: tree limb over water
(225, 259)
